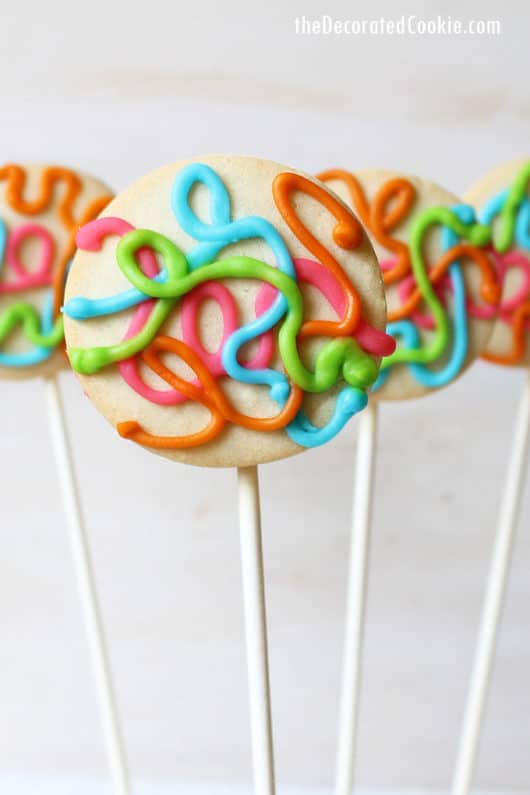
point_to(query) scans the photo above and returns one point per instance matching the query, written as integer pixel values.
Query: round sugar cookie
(502, 200)
(226, 311)
(41, 208)
(441, 287)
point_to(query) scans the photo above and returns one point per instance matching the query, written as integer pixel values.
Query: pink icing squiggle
(190, 326)
(503, 263)
(90, 237)
(387, 264)
(370, 339)
(42, 276)
(129, 368)
(513, 259)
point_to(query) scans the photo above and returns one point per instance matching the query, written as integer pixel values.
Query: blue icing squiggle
(80, 308)
(349, 402)
(222, 232)
(493, 207)
(3, 242)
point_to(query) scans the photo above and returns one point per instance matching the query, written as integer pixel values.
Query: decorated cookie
(41, 209)
(441, 287)
(226, 311)
(502, 200)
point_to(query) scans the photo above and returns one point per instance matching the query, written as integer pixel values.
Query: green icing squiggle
(341, 357)
(508, 213)
(478, 235)
(27, 316)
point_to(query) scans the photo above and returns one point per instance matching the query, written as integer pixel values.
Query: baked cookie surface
(226, 311)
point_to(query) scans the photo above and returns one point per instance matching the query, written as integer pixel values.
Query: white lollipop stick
(87, 590)
(494, 600)
(256, 631)
(356, 601)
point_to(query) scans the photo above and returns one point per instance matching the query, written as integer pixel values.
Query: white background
(118, 88)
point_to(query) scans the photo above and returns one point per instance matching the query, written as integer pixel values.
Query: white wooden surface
(121, 88)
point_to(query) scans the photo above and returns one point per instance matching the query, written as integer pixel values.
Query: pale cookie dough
(225, 227)
(392, 206)
(41, 208)
(502, 199)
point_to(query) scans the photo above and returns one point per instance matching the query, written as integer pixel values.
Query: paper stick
(87, 590)
(256, 631)
(494, 600)
(356, 601)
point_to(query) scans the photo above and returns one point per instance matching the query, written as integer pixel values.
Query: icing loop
(390, 206)
(347, 234)
(25, 280)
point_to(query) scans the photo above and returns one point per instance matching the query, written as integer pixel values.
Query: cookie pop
(442, 294)
(41, 208)
(228, 311)
(502, 200)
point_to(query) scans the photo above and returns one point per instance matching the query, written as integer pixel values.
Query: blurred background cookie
(441, 288)
(41, 209)
(502, 200)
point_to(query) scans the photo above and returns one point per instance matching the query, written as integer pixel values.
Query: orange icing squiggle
(389, 207)
(347, 234)
(518, 322)
(209, 394)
